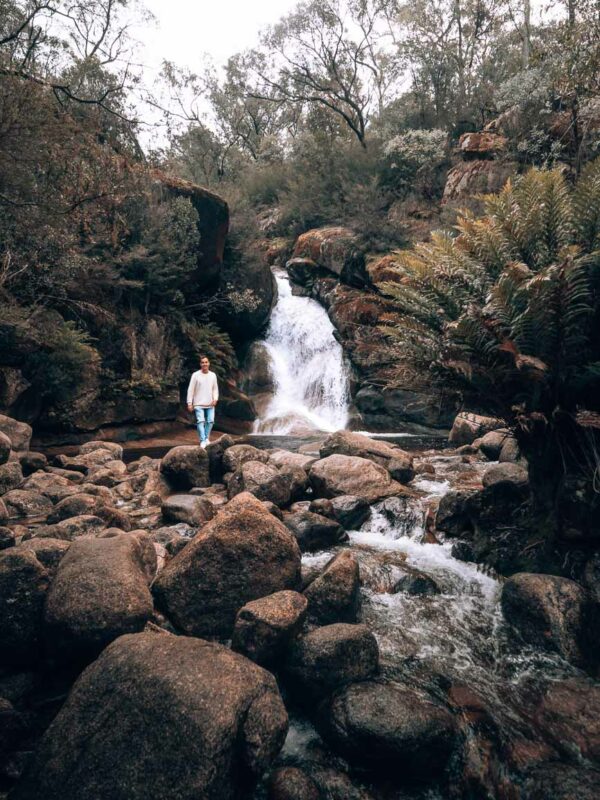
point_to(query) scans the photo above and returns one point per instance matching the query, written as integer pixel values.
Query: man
(202, 396)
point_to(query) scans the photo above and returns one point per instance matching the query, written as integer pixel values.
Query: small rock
(312, 531)
(264, 628)
(291, 783)
(491, 444)
(70, 529)
(505, 473)
(467, 427)
(32, 462)
(11, 476)
(350, 511)
(187, 508)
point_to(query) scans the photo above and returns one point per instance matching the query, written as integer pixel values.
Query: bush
(413, 162)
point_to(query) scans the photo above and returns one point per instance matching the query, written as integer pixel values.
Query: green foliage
(413, 160)
(505, 309)
(207, 339)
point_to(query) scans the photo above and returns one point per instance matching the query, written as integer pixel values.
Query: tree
(507, 312)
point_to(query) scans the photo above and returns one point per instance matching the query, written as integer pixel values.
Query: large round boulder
(263, 481)
(187, 508)
(185, 467)
(385, 726)
(339, 475)
(348, 443)
(265, 627)
(19, 433)
(160, 717)
(244, 553)
(26, 503)
(546, 611)
(239, 454)
(100, 592)
(328, 657)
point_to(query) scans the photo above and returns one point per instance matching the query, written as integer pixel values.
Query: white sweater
(203, 389)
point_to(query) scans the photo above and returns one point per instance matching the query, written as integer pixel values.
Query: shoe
(203, 445)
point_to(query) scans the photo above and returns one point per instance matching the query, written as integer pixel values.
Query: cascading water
(311, 378)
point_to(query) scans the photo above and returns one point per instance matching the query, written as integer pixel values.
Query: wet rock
(100, 592)
(401, 468)
(569, 717)
(505, 473)
(23, 585)
(313, 531)
(342, 475)
(5, 448)
(334, 595)
(491, 444)
(264, 628)
(291, 783)
(216, 452)
(24, 503)
(11, 476)
(453, 517)
(186, 466)
(72, 528)
(329, 657)
(258, 369)
(385, 726)
(546, 611)
(335, 249)
(463, 551)
(350, 511)
(244, 553)
(7, 538)
(263, 481)
(467, 427)
(187, 508)
(160, 716)
(557, 781)
(19, 433)
(416, 584)
(240, 454)
(48, 552)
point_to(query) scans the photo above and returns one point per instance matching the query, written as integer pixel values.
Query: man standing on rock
(202, 396)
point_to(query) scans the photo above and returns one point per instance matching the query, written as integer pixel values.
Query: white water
(311, 378)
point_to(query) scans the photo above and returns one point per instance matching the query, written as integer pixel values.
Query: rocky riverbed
(337, 621)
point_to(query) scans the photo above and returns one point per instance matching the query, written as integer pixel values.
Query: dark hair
(202, 357)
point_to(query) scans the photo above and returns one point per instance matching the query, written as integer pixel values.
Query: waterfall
(310, 376)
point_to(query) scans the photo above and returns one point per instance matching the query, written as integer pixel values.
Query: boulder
(546, 611)
(264, 628)
(263, 481)
(5, 448)
(115, 450)
(298, 480)
(76, 505)
(388, 727)
(302, 271)
(100, 592)
(416, 583)
(283, 458)
(248, 292)
(560, 781)
(244, 553)
(11, 476)
(187, 508)
(3, 511)
(510, 450)
(467, 427)
(239, 454)
(55, 487)
(23, 585)
(481, 144)
(329, 657)
(160, 717)
(335, 249)
(258, 369)
(186, 466)
(19, 433)
(347, 443)
(72, 528)
(110, 474)
(340, 475)
(216, 452)
(313, 531)
(322, 506)
(48, 552)
(7, 538)
(334, 595)
(350, 511)
(506, 473)
(291, 783)
(475, 177)
(568, 715)
(24, 503)
(491, 444)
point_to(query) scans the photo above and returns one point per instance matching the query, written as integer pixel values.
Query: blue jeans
(205, 419)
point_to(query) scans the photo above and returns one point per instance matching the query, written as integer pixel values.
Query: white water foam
(311, 378)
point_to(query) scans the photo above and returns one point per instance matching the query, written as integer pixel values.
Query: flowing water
(311, 377)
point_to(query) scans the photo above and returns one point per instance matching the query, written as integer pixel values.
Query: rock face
(244, 553)
(386, 726)
(160, 717)
(333, 596)
(470, 178)
(100, 592)
(340, 475)
(264, 628)
(547, 611)
(185, 467)
(263, 481)
(23, 585)
(331, 656)
(482, 143)
(336, 250)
